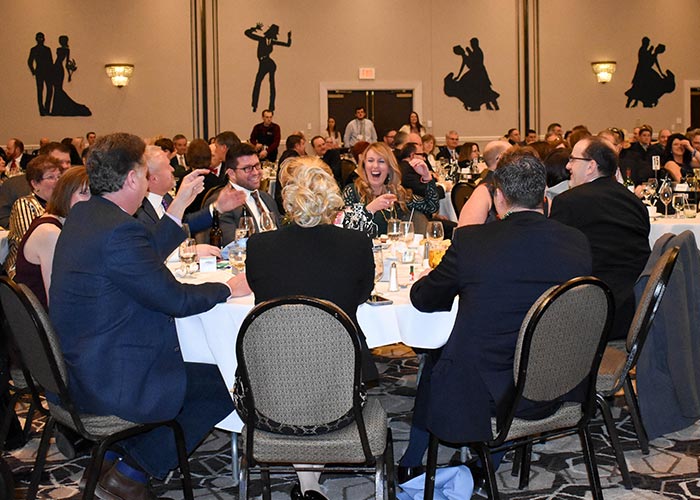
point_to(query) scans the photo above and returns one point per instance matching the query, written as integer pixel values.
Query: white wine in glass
(188, 255)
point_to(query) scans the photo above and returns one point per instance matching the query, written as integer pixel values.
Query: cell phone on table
(378, 300)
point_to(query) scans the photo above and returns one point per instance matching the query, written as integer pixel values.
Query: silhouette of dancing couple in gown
(473, 87)
(49, 75)
(648, 84)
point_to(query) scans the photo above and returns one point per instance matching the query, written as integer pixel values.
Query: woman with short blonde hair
(311, 195)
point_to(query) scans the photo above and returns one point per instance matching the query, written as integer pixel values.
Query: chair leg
(265, 478)
(485, 455)
(379, 478)
(591, 466)
(517, 461)
(633, 405)
(525, 466)
(614, 440)
(7, 419)
(41, 458)
(235, 468)
(389, 466)
(93, 469)
(182, 459)
(243, 479)
(28, 422)
(431, 468)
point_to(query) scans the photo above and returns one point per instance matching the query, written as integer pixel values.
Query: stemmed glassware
(245, 229)
(665, 194)
(188, 255)
(434, 232)
(236, 257)
(679, 204)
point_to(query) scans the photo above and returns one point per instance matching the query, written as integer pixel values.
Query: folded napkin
(243, 242)
(451, 483)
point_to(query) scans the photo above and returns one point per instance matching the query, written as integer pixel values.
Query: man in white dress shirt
(244, 173)
(360, 129)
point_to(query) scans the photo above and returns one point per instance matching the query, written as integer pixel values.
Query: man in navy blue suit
(113, 304)
(497, 270)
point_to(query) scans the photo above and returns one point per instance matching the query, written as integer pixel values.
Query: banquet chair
(300, 396)
(460, 194)
(40, 350)
(559, 348)
(614, 372)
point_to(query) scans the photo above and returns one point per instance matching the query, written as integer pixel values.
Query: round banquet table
(210, 337)
(662, 225)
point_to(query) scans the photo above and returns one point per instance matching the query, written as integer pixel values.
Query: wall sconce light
(119, 73)
(603, 70)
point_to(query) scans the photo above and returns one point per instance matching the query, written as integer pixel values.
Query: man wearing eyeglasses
(244, 174)
(450, 151)
(613, 219)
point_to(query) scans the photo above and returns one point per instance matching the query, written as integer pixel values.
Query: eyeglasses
(51, 178)
(572, 158)
(250, 168)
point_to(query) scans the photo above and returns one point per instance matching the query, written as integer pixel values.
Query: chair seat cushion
(610, 369)
(97, 425)
(341, 446)
(567, 416)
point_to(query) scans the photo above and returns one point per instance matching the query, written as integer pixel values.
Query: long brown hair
(393, 178)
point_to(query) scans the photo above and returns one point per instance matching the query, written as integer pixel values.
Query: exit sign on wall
(366, 73)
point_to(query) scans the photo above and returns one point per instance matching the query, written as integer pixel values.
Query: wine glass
(434, 231)
(188, 254)
(407, 231)
(665, 194)
(378, 269)
(393, 229)
(267, 223)
(236, 257)
(678, 204)
(245, 228)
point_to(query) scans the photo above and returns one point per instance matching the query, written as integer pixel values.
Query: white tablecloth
(661, 226)
(210, 337)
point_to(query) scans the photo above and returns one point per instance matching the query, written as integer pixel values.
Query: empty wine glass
(407, 230)
(665, 194)
(378, 269)
(434, 231)
(188, 255)
(678, 204)
(267, 223)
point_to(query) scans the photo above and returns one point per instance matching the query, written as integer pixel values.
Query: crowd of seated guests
(393, 178)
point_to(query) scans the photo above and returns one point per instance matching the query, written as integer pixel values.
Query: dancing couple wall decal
(50, 76)
(473, 87)
(649, 82)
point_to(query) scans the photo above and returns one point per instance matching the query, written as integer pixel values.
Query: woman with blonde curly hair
(319, 259)
(377, 194)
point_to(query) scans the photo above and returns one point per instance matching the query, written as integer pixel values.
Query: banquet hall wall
(404, 40)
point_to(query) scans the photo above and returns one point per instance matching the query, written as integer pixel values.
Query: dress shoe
(116, 486)
(404, 473)
(296, 493)
(314, 495)
(106, 465)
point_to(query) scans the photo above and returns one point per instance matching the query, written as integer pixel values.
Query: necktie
(166, 202)
(181, 160)
(258, 203)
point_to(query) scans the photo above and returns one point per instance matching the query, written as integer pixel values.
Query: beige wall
(404, 40)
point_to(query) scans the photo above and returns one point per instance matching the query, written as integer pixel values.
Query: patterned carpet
(671, 470)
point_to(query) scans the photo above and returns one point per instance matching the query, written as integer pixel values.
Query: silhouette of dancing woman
(266, 42)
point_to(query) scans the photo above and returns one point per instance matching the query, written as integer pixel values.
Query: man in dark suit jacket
(113, 302)
(157, 201)
(244, 173)
(613, 219)
(450, 151)
(498, 271)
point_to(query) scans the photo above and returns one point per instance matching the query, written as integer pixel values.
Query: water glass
(236, 257)
(408, 231)
(678, 204)
(393, 229)
(188, 255)
(690, 210)
(378, 267)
